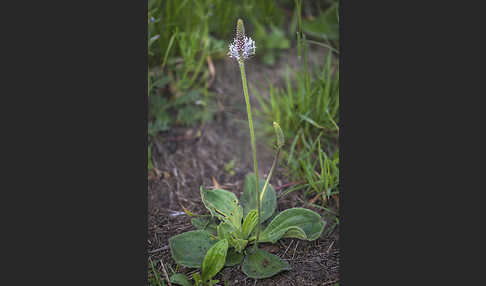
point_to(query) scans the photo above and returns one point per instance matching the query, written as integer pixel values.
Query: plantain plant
(223, 237)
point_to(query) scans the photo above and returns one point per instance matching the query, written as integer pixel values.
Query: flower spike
(242, 47)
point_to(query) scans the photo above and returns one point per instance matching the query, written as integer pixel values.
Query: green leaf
(251, 220)
(214, 259)
(277, 39)
(189, 248)
(200, 222)
(180, 279)
(249, 201)
(161, 82)
(262, 264)
(325, 26)
(238, 243)
(206, 223)
(223, 204)
(212, 228)
(295, 232)
(197, 278)
(233, 257)
(311, 121)
(227, 231)
(224, 230)
(295, 222)
(160, 124)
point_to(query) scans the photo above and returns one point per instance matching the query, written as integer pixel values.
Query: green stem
(253, 145)
(270, 174)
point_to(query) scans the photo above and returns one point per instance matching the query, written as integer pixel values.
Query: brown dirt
(186, 161)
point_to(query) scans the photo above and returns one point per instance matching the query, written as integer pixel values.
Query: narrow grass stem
(253, 146)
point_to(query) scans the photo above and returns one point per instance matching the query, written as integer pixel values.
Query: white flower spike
(242, 47)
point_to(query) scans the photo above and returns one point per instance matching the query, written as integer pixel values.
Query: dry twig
(287, 248)
(158, 249)
(330, 282)
(165, 273)
(295, 249)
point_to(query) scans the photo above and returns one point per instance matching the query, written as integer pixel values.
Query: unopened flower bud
(280, 135)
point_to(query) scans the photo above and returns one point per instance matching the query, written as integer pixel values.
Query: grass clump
(308, 110)
(184, 37)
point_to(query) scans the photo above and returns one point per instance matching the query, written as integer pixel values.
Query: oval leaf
(249, 201)
(224, 230)
(233, 257)
(200, 222)
(180, 279)
(189, 248)
(295, 222)
(223, 204)
(262, 264)
(214, 259)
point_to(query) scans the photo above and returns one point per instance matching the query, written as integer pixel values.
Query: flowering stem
(270, 174)
(253, 147)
